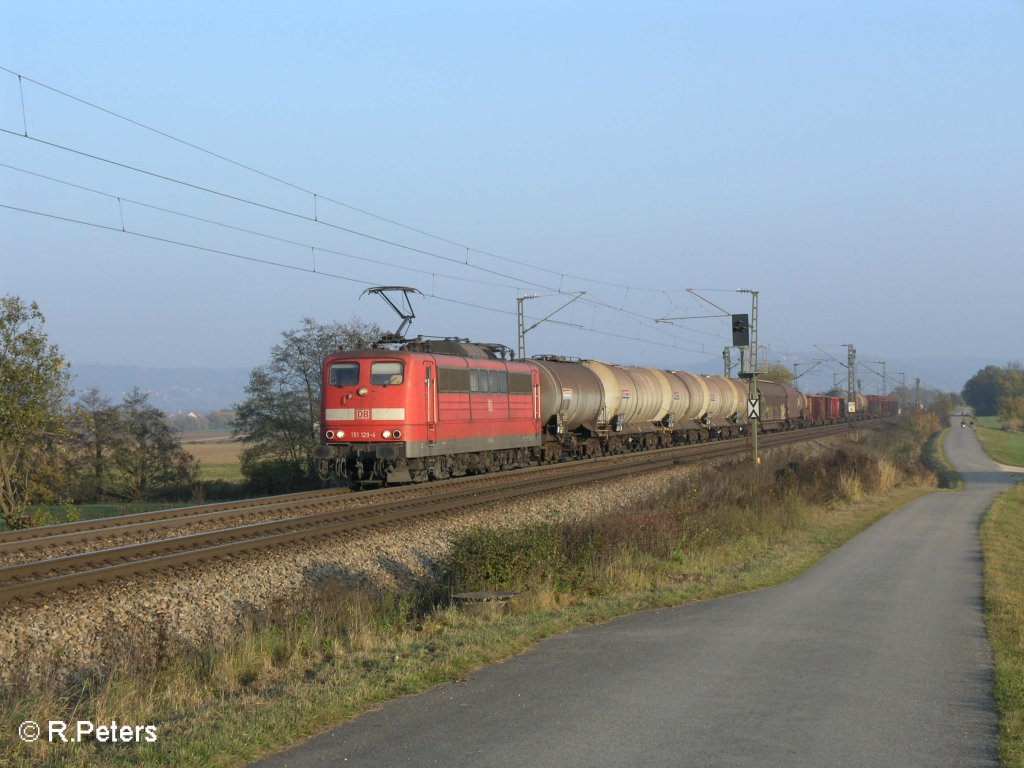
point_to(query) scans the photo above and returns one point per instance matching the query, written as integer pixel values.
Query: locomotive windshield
(387, 373)
(344, 374)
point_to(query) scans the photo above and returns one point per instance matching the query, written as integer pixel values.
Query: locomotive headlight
(363, 391)
(329, 434)
(386, 434)
(339, 434)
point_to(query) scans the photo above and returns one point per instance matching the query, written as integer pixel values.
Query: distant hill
(175, 390)
(170, 389)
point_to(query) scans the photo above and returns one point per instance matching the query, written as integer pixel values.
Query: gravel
(88, 629)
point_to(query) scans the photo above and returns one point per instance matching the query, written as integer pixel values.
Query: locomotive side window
(452, 379)
(387, 373)
(344, 374)
(520, 384)
(474, 381)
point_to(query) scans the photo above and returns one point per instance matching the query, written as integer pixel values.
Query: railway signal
(751, 330)
(741, 330)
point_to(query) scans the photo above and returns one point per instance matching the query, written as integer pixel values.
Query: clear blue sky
(859, 164)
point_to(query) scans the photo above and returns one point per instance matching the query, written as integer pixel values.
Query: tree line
(995, 391)
(55, 449)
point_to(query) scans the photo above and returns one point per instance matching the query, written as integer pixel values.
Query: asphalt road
(876, 658)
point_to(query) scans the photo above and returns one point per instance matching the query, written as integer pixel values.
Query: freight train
(434, 409)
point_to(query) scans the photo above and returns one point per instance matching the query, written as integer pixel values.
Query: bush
(208, 491)
(932, 457)
(266, 478)
(560, 553)
(717, 505)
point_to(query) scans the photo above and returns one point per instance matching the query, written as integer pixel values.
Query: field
(218, 453)
(1004, 447)
(219, 457)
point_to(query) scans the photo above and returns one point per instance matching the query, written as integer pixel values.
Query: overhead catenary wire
(317, 197)
(304, 217)
(305, 190)
(122, 199)
(317, 219)
(308, 270)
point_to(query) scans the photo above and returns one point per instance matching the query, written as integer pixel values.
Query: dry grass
(215, 447)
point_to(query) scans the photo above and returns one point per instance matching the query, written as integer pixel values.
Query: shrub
(560, 553)
(716, 505)
(266, 478)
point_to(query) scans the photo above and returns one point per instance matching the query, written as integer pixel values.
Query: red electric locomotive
(431, 410)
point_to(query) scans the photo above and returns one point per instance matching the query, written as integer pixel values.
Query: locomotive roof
(451, 346)
(383, 353)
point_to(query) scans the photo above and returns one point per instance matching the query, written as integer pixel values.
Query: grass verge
(934, 456)
(338, 652)
(1002, 537)
(52, 514)
(1000, 444)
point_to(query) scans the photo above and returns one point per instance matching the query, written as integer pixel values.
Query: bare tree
(96, 427)
(276, 420)
(147, 458)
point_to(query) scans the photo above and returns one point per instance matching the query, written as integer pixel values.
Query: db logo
(363, 414)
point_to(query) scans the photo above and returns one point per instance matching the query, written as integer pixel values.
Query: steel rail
(9, 538)
(160, 524)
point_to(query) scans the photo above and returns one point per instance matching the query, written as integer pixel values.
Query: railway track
(305, 517)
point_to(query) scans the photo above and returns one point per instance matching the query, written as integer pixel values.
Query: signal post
(744, 334)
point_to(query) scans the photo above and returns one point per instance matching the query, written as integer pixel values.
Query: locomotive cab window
(344, 374)
(387, 373)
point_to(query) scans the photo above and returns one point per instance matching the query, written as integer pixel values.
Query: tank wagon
(436, 409)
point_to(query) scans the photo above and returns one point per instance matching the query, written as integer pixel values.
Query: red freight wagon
(883, 405)
(834, 406)
(816, 409)
(401, 416)
(824, 409)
